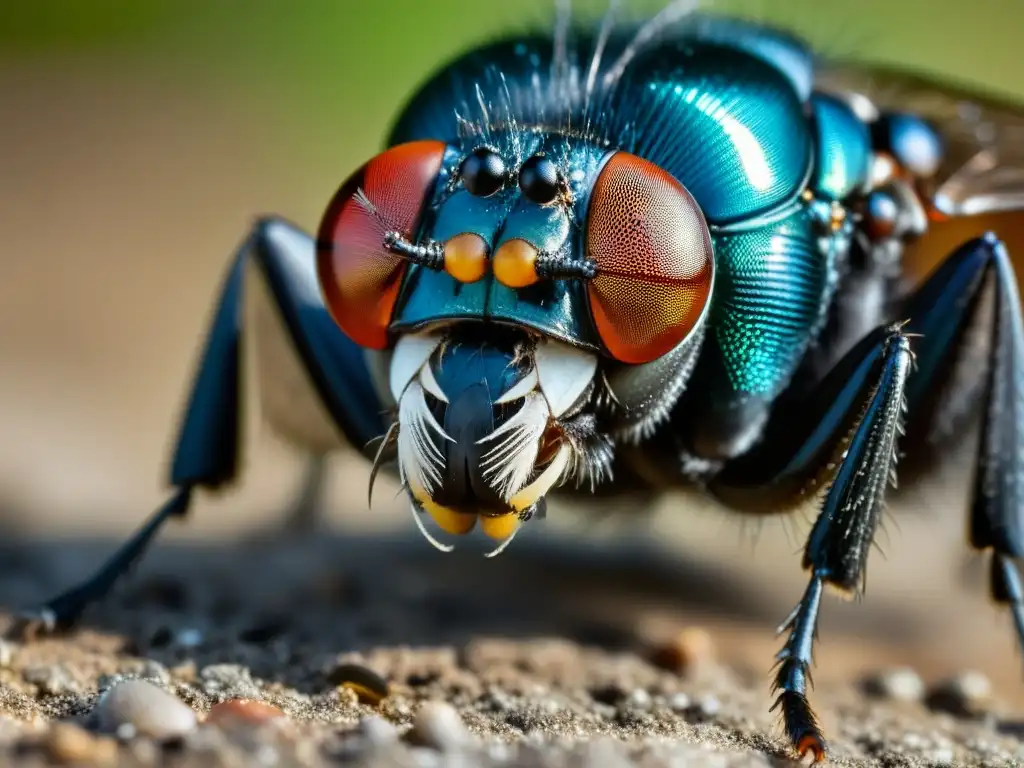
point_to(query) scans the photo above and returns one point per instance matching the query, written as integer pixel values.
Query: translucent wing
(983, 171)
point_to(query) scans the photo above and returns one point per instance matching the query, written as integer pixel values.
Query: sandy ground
(115, 235)
(542, 652)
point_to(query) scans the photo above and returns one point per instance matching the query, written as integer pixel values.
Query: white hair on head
(667, 16)
(508, 465)
(607, 23)
(417, 515)
(503, 545)
(560, 54)
(420, 460)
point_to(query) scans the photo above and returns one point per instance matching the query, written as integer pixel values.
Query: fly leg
(842, 439)
(843, 434)
(315, 387)
(971, 306)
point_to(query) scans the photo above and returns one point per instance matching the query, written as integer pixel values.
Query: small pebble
(680, 702)
(690, 650)
(377, 731)
(439, 725)
(898, 683)
(709, 706)
(68, 744)
(368, 686)
(373, 734)
(941, 756)
(639, 699)
(139, 707)
(913, 740)
(965, 695)
(243, 712)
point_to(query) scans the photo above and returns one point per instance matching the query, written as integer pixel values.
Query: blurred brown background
(139, 140)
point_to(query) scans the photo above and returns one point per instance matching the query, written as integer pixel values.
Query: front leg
(838, 546)
(844, 433)
(843, 438)
(315, 388)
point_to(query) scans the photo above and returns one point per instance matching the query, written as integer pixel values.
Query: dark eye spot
(483, 172)
(539, 180)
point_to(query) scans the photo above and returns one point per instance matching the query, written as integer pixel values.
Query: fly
(642, 258)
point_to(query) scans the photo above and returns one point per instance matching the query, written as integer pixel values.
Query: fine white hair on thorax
(508, 465)
(420, 460)
(666, 17)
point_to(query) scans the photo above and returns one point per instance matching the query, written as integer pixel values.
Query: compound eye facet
(654, 256)
(359, 277)
(483, 172)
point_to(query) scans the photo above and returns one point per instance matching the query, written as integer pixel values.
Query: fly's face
(531, 306)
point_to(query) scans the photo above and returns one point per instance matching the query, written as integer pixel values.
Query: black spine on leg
(801, 437)
(845, 432)
(838, 546)
(842, 535)
(793, 677)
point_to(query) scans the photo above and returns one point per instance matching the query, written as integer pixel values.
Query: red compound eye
(358, 276)
(654, 259)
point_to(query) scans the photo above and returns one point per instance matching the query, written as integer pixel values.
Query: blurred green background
(139, 139)
(335, 70)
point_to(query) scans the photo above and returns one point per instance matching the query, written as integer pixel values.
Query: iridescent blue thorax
(727, 111)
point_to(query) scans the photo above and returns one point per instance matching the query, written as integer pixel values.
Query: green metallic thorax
(743, 134)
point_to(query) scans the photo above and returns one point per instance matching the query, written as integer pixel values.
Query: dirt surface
(546, 653)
